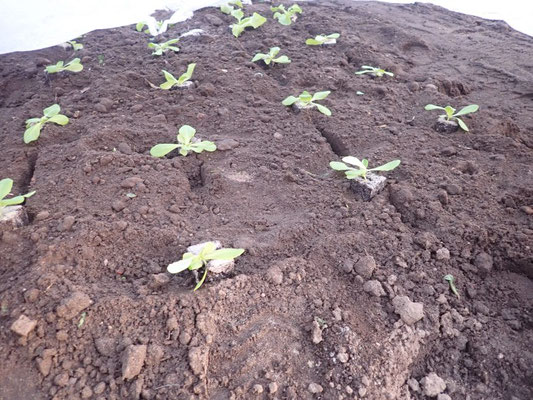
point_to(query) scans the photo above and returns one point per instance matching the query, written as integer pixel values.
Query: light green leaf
(206, 145)
(51, 111)
(224, 254)
(179, 266)
(352, 173)
(323, 109)
(313, 42)
(462, 125)
(186, 133)
(257, 20)
(274, 51)
(187, 75)
(139, 26)
(430, 107)
(201, 282)
(282, 60)
(354, 161)
(338, 166)
(13, 201)
(237, 29)
(387, 167)
(305, 97)
(321, 95)
(259, 56)
(59, 119)
(334, 36)
(31, 121)
(32, 133)
(167, 85)
(161, 150)
(289, 101)
(238, 14)
(5, 187)
(365, 162)
(449, 111)
(74, 68)
(295, 8)
(467, 110)
(226, 9)
(284, 19)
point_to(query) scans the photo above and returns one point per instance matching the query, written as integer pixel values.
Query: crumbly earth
(296, 318)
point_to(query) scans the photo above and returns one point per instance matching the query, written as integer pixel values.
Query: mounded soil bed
(320, 306)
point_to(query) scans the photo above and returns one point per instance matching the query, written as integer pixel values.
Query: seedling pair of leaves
(286, 17)
(451, 115)
(60, 66)
(228, 7)
(172, 81)
(5, 188)
(306, 100)
(378, 72)
(160, 48)
(34, 125)
(323, 39)
(451, 281)
(158, 27)
(360, 167)
(255, 21)
(186, 143)
(75, 45)
(271, 57)
(193, 262)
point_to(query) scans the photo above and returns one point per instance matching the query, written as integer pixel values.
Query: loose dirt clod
(432, 385)
(133, 361)
(409, 311)
(23, 325)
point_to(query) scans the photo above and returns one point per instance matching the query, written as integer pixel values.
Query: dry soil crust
(334, 298)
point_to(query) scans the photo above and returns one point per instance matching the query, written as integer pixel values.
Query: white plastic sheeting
(35, 24)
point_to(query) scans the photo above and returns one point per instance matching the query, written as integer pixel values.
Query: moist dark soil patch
(307, 311)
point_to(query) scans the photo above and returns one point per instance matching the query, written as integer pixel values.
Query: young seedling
(182, 81)
(5, 188)
(75, 45)
(306, 100)
(271, 57)
(323, 39)
(286, 17)
(451, 115)
(34, 125)
(228, 7)
(255, 21)
(161, 48)
(378, 72)
(186, 143)
(451, 281)
(72, 66)
(361, 167)
(208, 252)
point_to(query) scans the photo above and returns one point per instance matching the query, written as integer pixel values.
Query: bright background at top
(35, 24)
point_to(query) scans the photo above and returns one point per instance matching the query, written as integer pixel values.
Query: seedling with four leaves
(306, 100)
(60, 66)
(34, 125)
(361, 167)
(193, 261)
(451, 115)
(286, 17)
(271, 57)
(5, 188)
(160, 48)
(323, 39)
(181, 81)
(255, 21)
(186, 143)
(378, 72)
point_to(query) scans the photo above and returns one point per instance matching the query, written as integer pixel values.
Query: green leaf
(13, 201)
(338, 166)
(284, 19)
(467, 110)
(289, 101)
(226, 9)
(387, 167)
(449, 111)
(353, 173)
(274, 51)
(334, 36)
(59, 119)
(323, 109)
(179, 266)
(354, 161)
(295, 8)
(257, 20)
(186, 133)
(282, 60)
(187, 75)
(365, 162)
(167, 85)
(153, 45)
(201, 282)
(139, 26)
(259, 56)
(313, 42)
(161, 150)
(305, 97)
(32, 133)
(5, 187)
(237, 29)
(320, 95)
(205, 145)
(462, 124)
(51, 111)
(224, 254)
(238, 14)
(32, 121)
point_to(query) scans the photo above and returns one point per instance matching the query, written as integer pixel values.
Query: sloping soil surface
(334, 298)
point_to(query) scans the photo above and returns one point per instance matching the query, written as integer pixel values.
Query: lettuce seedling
(306, 100)
(186, 143)
(270, 57)
(362, 167)
(34, 125)
(75, 45)
(451, 115)
(228, 7)
(193, 262)
(451, 280)
(161, 48)
(323, 39)
(286, 17)
(379, 72)
(255, 21)
(171, 81)
(72, 66)
(5, 188)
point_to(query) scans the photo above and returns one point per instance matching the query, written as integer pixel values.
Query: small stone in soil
(315, 388)
(444, 126)
(133, 361)
(365, 266)
(367, 189)
(409, 311)
(23, 325)
(14, 215)
(316, 333)
(374, 287)
(432, 385)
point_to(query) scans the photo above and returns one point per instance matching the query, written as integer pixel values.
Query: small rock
(484, 262)
(86, 392)
(443, 254)
(124, 148)
(527, 209)
(99, 388)
(136, 108)
(432, 385)
(207, 89)
(67, 223)
(443, 396)
(105, 346)
(158, 280)
(198, 360)
(453, 189)
(62, 336)
(220, 266)
(374, 288)
(362, 391)
(367, 189)
(42, 61)
(315, 388)
(31, 295)
(100, 108)
(347, 266)
(213, 20)
(409, 311)
(108, 103)
(42, 216)
(14, 215)
(154, 355)
(44, 365)
(118, 205)
(61, 379)
(159, 119)
(272, 387)
(275, 275)
(365, 266)
(343, 357)
(257, 389)
(413, 385)
(449, 151)
(73, 305)
(278, 136)
(130, 182)
(431, 87)
(227, 144)
(133, 361)
(172, 323)
(23, 325)
(413, 86)
(316, 333)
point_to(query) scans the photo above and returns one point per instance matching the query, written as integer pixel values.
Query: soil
(308, 311)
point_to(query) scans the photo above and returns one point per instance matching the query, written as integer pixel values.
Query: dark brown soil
(458, 204)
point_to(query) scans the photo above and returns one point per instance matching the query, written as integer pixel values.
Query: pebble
(42, 215)
(133, 361)
(272, 387)
(42, 61)
(258, 389)
(343, 357)
(275, 275)
(443, 254)
(136, 108)
(124, 148)
(172, 324)
(73, 305)
(130, 182)
(374, 288)
(410, 312)
(315, 388)
(365, 266)
(347, 266)
(198, 359)
(105, 346)
(316, 333)
(118, 205)
(413, 385)
(100, 108)
(362, 391)
(99, 388)
(278, 136)
(86, 392)
(453, 189)
(432, 385)
(443, 396)
(207, 89)
(227, 144)
(158, 280)
(527, 209)
(31, 295)
(67, 223)
(61, 379)
(23, 325)
(213, 20)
